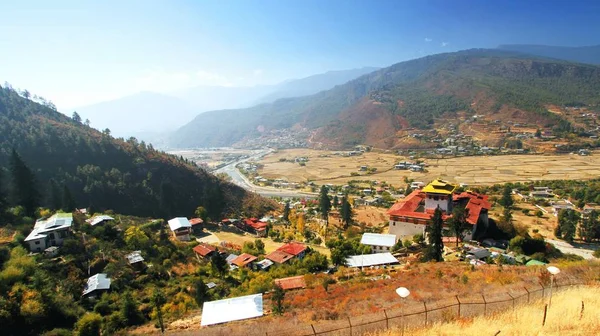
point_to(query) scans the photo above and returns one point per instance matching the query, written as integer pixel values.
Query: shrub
(597, 253)
(539, 213)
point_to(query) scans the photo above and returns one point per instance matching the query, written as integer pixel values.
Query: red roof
(411, 203)
(204, 249)
(293, 248)
(476, 204)
(196, 221)
(243, 260)
(291, 282)
(279, 257)
(255, 224)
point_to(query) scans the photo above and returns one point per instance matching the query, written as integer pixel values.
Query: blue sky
(81, 52)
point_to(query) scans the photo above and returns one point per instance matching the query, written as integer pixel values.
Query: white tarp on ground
(367, 260)
(239, 308)
(378, 239)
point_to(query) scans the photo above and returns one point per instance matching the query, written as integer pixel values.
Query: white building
(380, 243)
(181, 228)
(49, 232)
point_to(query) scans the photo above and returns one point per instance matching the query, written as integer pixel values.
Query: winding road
(239, 179)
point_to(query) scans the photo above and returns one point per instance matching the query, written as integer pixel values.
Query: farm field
(323, 167)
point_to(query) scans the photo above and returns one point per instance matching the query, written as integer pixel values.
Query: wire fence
(411, 314)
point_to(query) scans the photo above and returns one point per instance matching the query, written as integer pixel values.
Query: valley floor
(323, 167)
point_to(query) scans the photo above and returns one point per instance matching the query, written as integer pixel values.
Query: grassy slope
(563, 319)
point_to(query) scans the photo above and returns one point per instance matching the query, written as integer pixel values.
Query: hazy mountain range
(374, 107)
(588, 54)
(149, 115)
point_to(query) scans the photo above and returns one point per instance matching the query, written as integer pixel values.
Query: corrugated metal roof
(134, 257)
(294, 282)
(96, 282)
(178, 223)
(378, 239)
(99, 219)
(371, 260)
(234, 309)
(43, 226)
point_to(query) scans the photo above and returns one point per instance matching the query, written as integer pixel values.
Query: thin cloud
(427, 39)
(444, 44)
(258, 72)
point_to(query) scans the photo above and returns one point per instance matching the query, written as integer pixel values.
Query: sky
(77, 53)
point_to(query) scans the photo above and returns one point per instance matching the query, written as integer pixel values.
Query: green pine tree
(324, 203)
(23, 189)
(434, 235)
(54, 195)
(68, 202)
(506, 200)
(458, 222)
(201, 292)
(286, 212)
(346, 212)
(129, 310)
(277, 299)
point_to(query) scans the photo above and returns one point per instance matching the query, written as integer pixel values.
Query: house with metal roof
(135, 259)
(96, 284)
(181, 228)
(205, 250)
(295, 282)
(380, 243)
(368, 260)
(244, 260)
(49, 232)
(99, 220)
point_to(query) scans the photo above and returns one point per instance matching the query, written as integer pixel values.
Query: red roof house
(204, 250)
(244, 259)
(293, 248)
(196, 221)
(291, 282)
(279, 257)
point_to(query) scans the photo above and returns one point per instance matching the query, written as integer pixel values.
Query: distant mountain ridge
(150, 116)
(374, 107)
(102, 172)
(588, 54)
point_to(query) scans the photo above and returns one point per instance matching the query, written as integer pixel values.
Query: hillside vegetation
(566, 316)
(102, 172)
(409, 94)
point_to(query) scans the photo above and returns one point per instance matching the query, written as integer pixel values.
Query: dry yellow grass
(475, 170)
(563, 319)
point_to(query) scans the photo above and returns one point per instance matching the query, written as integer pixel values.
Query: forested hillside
(409, 94)
(102, 172)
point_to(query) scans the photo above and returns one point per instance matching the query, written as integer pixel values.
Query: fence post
(513, 300)
(545, 311)
(350, 323)
(458, 306)
(581, 314)
(527, 290)
(425, 306)
(484, 305)
(387, 320)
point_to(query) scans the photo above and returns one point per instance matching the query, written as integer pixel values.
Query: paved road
(585, 251)
(238, 178)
